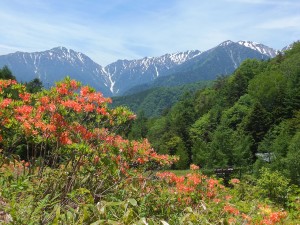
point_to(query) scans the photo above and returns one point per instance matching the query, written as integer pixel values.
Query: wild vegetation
(248, 120)
(65, 159)
(156, 101)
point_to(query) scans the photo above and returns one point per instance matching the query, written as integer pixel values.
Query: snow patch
(181, 57)
(112, 83)
(265, 50)
(225, 43)
(80, 57)
(232, 59)
(157, 73)
(24, 59)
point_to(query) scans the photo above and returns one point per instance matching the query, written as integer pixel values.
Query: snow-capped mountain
(289, 46)
(120, 76)
(52, 65)
(223, 59)
(263, 49)
(125, 74)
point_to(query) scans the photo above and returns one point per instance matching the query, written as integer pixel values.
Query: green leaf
(112, 222)
(132, 201)
(188, 209)
(98, 222)
(57, 215)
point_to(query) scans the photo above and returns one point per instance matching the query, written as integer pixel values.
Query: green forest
(156, 101)
(68, 157)
(248, 120)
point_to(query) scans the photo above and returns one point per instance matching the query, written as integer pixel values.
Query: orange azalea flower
(51, 127)
(266, 222)
(235, 181)
(64, 139)
(140, 160)
(51, 107)
(25, 96)
(74, 84)
(62, 89)
(230, 209)
(44, 100)
(184, 188)
(274, 217)
(178, 179)
(72, 104)
(216, 200)
(228, 197)
(194, 179)
(84, 90)
(5, 102)
(25, 109)
(194, 167)
(27, 125)
(246, 217)
(232, 220)
(89, 107)
(210, 194)
(212, 183)
(101, 110)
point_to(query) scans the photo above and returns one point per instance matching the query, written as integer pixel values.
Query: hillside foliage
(65, 158)
(156, 101)
(248, 120)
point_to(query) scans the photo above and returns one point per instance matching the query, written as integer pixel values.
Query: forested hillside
(155, 101)
(247, 120)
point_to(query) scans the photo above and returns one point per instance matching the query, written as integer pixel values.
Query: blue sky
(107, 30)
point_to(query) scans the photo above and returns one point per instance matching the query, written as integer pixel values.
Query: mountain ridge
(122, 75)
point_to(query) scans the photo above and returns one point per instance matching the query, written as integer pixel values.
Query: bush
(273, 185)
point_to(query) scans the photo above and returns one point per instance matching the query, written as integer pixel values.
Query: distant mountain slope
(154, 101)
(221, 60)
(123, 75)
(52, 65)
(263, 49)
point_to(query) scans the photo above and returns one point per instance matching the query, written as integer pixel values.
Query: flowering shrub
(67, 121)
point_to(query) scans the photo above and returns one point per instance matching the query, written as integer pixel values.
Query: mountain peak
(263, 49)
(181, 57)
(64, 53)
(59, 48)
(225, 43)
(289, 46)
(248, 43)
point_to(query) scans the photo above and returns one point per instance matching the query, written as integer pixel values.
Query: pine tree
(257, 124)
(34, 86)
(6, 74)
